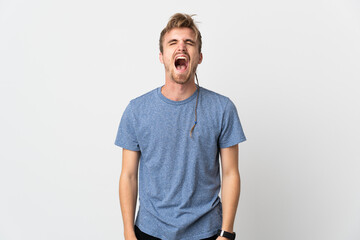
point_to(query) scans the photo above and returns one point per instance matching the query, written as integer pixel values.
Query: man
(176, 133)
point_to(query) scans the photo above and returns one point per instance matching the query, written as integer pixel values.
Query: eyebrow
(172, 40)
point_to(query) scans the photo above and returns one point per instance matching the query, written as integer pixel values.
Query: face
(180, 55)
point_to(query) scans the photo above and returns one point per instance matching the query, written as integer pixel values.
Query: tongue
(181, 67)
(180, 64)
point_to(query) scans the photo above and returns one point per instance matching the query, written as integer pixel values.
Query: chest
(170, 128)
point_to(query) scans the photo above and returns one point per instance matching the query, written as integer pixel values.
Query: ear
(161, 58)
(200, 58)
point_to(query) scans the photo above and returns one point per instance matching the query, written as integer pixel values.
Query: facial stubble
(181, 78)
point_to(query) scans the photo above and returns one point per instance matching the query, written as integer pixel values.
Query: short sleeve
(231, 129)
(126, 135)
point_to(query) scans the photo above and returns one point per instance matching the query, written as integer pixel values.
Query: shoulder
(144, 99)
(214, 98)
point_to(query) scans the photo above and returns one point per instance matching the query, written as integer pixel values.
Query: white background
(69, 68)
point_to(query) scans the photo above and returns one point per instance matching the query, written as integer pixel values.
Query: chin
(180, 79)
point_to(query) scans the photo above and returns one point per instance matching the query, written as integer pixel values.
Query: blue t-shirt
(179, 177)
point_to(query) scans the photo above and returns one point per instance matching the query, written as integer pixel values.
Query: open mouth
(181, 63)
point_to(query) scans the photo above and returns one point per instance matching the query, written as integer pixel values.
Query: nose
(181, 47)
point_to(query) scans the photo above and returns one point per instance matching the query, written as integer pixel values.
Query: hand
(222, 238)
(131, 238)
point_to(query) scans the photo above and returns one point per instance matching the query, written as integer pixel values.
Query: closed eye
(190, 42)
(172, 42)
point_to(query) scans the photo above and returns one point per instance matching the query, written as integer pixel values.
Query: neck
(178, 92)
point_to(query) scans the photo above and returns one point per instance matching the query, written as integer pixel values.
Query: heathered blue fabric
(179, 177)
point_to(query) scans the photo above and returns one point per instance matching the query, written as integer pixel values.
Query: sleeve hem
(128, 147)
(232, 143)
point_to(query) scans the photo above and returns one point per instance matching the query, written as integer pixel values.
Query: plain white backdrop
(69, 68)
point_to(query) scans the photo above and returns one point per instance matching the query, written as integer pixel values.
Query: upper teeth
(180, 58)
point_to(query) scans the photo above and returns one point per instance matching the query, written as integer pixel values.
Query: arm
(128, 187)
(230, 190)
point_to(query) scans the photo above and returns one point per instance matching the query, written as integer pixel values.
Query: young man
(176, 133)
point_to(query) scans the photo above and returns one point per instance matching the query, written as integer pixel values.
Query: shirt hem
(143, 229)
(199, 236)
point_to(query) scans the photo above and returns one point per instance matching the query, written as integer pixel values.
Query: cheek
(196, 59)
(168, 59)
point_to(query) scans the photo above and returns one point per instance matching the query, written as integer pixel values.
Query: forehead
(179, 34)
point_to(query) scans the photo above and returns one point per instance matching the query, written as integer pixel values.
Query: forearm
(230, 193)
(128, 197)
